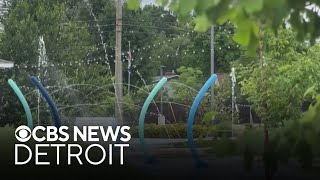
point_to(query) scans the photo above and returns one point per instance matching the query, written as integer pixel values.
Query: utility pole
(212, 65)
(161, 94)
(161, 117)
(118, 63)
(129, 70)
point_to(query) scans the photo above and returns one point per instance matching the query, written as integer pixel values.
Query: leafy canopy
(249, 16)
(277, 87)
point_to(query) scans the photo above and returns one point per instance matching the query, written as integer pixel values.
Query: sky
(145, 2)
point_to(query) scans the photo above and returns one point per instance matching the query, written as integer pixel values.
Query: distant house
(6, 64)
(174, 111)
(221, 78)
(94, 121)
(171, 75)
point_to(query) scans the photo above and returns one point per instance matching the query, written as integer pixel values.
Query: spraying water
(42, 62)
(103, 46)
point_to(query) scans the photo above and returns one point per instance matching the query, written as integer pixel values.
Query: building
(6, 64)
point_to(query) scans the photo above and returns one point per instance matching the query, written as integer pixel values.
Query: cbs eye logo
(23, 133)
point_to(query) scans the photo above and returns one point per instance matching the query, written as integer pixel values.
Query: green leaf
(174, 5)
(186, 6)
(255, 29)
(309, 91)
(206, 4)
(202, 23)
(252, 46)
(252, 6)
(208, 117)
(228, 15)
(133, 4)
(275, 3)
(242, 35)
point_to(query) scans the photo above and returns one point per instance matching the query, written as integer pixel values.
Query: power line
(146, 26)
(124, 19)
(157, 27)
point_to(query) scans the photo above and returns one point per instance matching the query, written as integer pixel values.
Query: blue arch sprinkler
(194, 107)
(23, 101)
(52, 106)
(147, 156)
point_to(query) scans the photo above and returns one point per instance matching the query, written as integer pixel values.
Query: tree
(225, 50)
(66, 43)
(277, 87)
(187, 87)
(250, 16)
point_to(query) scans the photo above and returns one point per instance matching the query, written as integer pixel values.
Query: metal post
(212, 65)
(129, 72)
(161, 105)
(118, 63)
(161, 117)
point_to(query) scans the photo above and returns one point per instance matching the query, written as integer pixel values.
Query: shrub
(169, 131)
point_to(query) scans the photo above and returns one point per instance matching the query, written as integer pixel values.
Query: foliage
(299, 139)
(249, 16)
(223, 100)
(191, 80)
(208, 118)
(225, 50)
(276, 87)
(67, 43)
(167, 131)
(177, 131)
(94, 88)
(185, 88)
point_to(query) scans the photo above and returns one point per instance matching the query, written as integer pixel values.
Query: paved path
(178, 163)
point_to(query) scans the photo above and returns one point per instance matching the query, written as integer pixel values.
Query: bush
(169, 131)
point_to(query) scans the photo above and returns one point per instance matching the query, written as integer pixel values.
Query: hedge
(175, 131)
